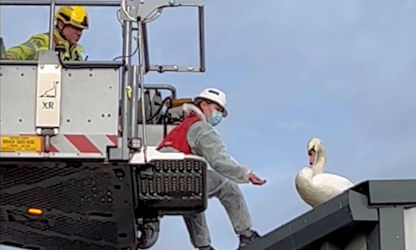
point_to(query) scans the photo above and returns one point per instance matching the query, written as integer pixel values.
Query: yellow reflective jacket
(30, 49)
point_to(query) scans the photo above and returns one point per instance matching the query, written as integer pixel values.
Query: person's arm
(205, 141)
(26, 50)
(20, 52)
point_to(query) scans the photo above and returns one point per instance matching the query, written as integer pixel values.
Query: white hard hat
(215, 95)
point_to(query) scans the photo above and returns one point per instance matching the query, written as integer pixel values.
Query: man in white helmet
(196, 135)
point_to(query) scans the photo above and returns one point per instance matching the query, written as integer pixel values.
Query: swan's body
(319, 188)
(314, 186)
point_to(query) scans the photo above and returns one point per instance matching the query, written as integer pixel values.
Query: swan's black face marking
(312, 154)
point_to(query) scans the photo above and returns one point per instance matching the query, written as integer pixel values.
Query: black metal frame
(372, 210)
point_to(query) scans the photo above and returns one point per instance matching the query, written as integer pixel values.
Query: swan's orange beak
(312, 155)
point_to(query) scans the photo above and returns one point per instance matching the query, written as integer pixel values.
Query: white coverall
(221, 183)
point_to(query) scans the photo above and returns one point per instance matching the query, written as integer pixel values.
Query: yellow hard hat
(74, 15)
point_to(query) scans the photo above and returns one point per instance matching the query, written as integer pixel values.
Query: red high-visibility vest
(177, 137)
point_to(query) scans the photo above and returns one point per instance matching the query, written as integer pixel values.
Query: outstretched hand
(255, 180)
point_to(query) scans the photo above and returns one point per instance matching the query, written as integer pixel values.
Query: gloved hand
(255, 180)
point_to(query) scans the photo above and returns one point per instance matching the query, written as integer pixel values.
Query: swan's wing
(330, 185)
(320, 188)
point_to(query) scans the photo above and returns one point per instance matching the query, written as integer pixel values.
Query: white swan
(314, 186)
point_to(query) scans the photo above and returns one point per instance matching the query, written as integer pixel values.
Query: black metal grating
(53, 242)
(15, 175)
(173, 184)
(93, 229)
(74, 195)
(85, 205)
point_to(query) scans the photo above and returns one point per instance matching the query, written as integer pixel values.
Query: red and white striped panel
(82, 144)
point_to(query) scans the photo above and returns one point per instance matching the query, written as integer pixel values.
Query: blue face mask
(215, 118)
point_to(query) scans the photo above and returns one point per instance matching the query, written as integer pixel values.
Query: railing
(132, 13)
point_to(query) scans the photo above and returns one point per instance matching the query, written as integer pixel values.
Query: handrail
(60, 2)
(164, 86)
(86, 64)
(51, 21)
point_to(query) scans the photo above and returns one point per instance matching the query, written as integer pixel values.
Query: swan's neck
(304, 179)
(318, 167)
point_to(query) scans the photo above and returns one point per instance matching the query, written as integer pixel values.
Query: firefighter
(70, 23)
(196, 135)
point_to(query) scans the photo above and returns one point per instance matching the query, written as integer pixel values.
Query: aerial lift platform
(78, 165)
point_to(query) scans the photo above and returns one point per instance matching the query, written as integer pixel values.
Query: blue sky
(343, 71)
